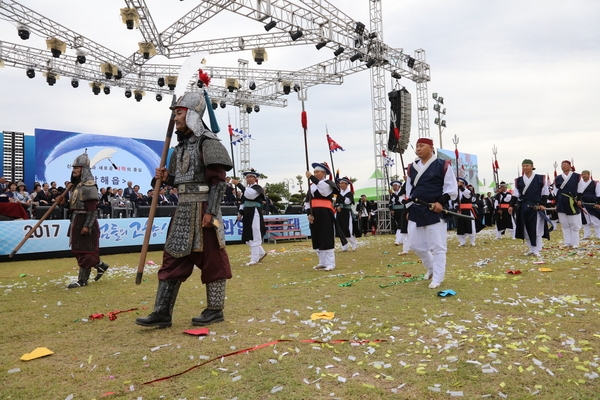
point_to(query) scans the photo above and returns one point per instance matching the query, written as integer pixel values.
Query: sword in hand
(431, 206)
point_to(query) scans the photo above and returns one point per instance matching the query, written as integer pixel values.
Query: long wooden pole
(32, 230)
(157, 185)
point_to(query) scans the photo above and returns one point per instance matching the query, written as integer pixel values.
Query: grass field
(530, 335)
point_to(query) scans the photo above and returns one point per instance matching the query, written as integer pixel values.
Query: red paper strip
(261, 346)
(197, 332)
(515, 272)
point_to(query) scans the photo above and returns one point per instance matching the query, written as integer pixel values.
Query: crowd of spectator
(113, 202)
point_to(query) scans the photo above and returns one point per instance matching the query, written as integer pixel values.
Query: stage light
(127, 93)
(286, 88)
(130, 17)
(119, 75)
(199, 83)
(252, 85)
(108, 69)
(259, 55)
(74, 83)
(51, 78)
(96, 90)
(57, 47)
(223, 104)
(106, 89)
(248, 108)
(370, 63)
(410, 62)
(158, 97)
(296, 87)
(270, 25)
(296, 35)
(138, 95)
(30, 73)
(396, 75)
(161, 81)
(320, 45)
(23, 32)
(81, 59)
(147, 50)
(355, 57)
(339, 51)
(232, 84)
(256, 108)
(214, 105)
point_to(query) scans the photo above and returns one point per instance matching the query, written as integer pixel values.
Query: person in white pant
(589, 196)
(321, 218)
(464, 227)
(398, 214)
(504, 221)
(344, 216)
(430, 180)
(530, 194)
(251, 214)
(565, 189)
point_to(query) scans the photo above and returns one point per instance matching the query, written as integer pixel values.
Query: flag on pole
(333, 146)
(389, 162)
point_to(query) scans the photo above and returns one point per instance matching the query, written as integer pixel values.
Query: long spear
(188, 68)
(455, 141)
(32, 230)
(230, 141)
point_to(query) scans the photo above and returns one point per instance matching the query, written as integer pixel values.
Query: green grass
(533, 335)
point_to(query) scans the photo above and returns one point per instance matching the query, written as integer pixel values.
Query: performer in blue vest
(504, 221)
(529, 197)
(398, 214)
(565, 189)
(321, 218)
(589, 195)
(251, 213)
(430, 180)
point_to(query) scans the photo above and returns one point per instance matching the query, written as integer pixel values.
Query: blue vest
(533, 195)
(429, 188)
(566, 197)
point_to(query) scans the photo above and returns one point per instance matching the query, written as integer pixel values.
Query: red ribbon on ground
(260, 346)
(111, 315)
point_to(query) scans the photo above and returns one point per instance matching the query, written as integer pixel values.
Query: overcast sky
(522, 75)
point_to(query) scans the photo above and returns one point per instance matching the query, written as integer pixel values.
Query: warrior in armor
(84, 232)
(251, 215)
(196, 236)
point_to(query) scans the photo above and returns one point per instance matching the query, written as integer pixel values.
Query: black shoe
(208, 317)
(155, 319)
(77, 284)
(101, 267)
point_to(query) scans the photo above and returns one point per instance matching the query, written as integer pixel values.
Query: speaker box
(399, 107)
(165, 211)
(293, 209)
(41, 210)
(143, 211)
(229, 210)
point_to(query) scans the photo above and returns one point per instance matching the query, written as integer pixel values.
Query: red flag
(204, 77)
(497, 167)
(333, 146)
(230, 128)
(397, 133)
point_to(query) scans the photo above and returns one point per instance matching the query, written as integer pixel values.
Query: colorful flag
(389, 162)
(333, 146)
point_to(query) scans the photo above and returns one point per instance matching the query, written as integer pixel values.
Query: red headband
(425, 140)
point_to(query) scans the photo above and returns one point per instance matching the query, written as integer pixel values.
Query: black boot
(163, 307)
(215, 297)
(82, 278)
(101, 267)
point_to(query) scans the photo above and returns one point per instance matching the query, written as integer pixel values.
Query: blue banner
(51, 235)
